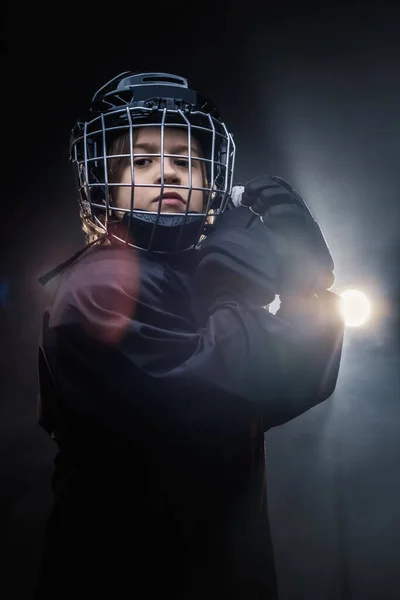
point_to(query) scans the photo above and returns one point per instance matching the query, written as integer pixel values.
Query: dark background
(310, 94)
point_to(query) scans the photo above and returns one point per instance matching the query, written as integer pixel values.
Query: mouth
(171, 199)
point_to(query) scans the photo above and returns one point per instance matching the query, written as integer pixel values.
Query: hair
(120, 145)
(92, 233)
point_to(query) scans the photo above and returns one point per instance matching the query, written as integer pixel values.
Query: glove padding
(269, 245)
(236, 257)
(303, 258)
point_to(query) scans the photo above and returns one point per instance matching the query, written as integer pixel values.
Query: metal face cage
(93, 155)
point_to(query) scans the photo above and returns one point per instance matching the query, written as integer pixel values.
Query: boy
(161, 368)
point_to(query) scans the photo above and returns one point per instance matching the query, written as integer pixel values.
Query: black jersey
(159, 417)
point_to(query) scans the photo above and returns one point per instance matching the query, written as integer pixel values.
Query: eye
(141, 162)
(182, 162)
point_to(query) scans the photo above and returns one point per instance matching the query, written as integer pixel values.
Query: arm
(169, 372)
(277, 247)
(315, 357)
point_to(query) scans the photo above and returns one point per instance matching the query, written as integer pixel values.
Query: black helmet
(130, 101)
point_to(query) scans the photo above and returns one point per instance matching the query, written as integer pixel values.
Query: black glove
(236, 258)
(303, 259)
(269, 245)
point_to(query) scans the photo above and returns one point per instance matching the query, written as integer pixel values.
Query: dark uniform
(159, 408)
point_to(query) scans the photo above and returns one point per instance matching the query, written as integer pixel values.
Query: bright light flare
(355, 308)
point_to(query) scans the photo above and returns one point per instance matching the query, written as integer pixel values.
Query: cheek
(122, 195)
(125, 176)
(198, 177)
(198, 195)
(197, 201)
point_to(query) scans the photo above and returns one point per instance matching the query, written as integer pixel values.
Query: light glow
(355, 308)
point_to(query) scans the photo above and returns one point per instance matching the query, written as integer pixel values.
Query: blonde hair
(121, 145)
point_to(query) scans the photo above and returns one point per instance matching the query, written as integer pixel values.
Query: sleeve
(241, 363)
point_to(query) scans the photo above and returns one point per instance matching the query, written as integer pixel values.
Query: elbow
(306, 386)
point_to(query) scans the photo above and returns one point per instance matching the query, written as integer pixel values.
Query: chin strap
(46, 277)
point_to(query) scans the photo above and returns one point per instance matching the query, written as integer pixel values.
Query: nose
(171, 173)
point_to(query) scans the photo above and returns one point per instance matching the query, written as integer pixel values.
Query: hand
(269, 244)
(236, 259)
(303, 258)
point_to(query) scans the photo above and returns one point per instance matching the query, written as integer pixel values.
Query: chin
(172, 210)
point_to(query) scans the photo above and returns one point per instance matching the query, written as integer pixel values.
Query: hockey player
(160, 365)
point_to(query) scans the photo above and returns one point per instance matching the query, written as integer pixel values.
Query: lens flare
(355, 308)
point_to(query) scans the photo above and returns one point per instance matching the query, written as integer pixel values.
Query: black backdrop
(311, 94)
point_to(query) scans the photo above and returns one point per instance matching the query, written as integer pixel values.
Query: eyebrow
(155, 149)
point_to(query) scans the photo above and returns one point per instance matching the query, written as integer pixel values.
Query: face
(147, 170)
